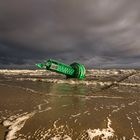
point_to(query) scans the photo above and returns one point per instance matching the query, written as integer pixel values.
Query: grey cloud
(100, 33)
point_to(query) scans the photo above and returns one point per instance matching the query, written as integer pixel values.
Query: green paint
(75, 70)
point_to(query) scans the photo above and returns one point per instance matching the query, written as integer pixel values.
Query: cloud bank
(97, 33)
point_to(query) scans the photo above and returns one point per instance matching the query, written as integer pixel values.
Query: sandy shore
(39, 105)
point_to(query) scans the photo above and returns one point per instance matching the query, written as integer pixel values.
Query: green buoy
(74, 70)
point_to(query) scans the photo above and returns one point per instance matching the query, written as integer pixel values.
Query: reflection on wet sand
(62, 109)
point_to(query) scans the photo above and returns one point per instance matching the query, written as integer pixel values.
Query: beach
(41, 105)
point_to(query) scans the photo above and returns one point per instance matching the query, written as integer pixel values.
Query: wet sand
(39, 105)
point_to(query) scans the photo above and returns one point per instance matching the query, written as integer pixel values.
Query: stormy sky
(97, 33)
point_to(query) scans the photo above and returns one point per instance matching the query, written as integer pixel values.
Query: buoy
(74, 70)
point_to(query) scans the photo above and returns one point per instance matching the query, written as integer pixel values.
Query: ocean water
(40, 105)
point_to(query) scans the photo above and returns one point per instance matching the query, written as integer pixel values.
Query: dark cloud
(98, 33)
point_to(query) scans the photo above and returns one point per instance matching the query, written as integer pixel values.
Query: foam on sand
(103, 134)
(17, 124)
(58, 137)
